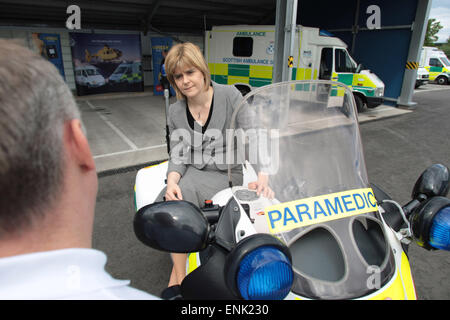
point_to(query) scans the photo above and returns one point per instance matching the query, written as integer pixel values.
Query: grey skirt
(200, 185)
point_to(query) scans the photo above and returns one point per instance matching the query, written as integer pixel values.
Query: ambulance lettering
(300, 213)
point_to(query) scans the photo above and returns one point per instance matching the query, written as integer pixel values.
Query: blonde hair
(186, 54)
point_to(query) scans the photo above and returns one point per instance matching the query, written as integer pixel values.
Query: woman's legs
(178, 269)
(196, 187)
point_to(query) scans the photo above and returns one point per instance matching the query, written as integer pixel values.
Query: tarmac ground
(126, 131)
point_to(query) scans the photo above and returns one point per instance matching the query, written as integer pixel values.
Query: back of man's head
(34, 104)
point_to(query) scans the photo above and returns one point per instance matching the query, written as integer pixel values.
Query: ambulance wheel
(442, 80)
(360, 104)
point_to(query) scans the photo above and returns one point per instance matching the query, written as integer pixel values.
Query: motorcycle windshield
(305, 136)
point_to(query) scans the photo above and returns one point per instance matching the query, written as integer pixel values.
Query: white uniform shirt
(63, 274)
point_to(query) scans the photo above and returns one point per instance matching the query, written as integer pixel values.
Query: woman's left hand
(262, 186)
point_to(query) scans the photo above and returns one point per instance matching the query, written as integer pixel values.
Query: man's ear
(77, 144)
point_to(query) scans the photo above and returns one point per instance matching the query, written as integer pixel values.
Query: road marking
(434, 89)
(129, 151)
(115, 129)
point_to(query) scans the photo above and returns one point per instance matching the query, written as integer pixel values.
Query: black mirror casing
(359, 68)
(434, 181)
(172, 226)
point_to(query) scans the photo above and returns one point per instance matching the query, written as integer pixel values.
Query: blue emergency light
(440, 230)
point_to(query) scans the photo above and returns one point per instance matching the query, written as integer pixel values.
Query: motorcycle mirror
(359, 67)
(172, 226)
(434, 181)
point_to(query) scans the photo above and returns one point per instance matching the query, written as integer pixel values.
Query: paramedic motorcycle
(326, 234)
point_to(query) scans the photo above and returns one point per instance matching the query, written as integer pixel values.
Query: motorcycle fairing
(314, 149)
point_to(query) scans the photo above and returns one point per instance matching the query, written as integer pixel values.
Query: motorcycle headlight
(259, 268)
(430, 224)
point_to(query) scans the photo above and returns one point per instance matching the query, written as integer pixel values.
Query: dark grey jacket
(190, 147)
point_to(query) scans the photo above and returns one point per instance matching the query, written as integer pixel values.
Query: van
(129, 72)
(88, 75)
(422, 77)
(437, 64)
(243, 55)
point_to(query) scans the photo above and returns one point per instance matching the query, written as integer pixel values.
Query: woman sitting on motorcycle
(197, 124)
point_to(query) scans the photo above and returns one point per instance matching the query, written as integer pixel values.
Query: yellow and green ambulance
(437, 64)
(127, 72)
(243, 55)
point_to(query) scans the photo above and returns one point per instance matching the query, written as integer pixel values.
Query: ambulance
(437, 64)
(130, 72)
(422, 77)
(243, 55)
(89, 76)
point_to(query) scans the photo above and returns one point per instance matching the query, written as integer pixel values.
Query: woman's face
(189, 80)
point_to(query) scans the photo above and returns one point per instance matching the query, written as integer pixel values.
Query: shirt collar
(54, 274)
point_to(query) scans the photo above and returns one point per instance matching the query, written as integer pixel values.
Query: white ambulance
(422, 77)
(437, 64)
(243, 55)
(89, 76)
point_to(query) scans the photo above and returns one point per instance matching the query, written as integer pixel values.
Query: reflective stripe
(254, 75)
(234, 79)
(192, 262)
(436, 72)
(218, 69)
(261, 72)
(304, 74)
(362, 80)
(239, 70)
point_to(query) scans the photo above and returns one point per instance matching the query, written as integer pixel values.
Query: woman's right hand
(173, 192)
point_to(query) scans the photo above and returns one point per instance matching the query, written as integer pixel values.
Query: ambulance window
(242, 47)
(91, 72)
(342, 61)
(326, 62)
(445, 61)
(435, 62)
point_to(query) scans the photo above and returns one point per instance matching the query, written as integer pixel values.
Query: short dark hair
(34, 104)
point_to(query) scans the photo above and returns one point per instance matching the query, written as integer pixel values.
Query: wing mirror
(172, 226)
(359, 68)
(434, 181)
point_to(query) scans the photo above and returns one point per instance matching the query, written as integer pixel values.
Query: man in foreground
(48, 189)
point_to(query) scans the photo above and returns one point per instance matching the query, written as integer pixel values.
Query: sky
(440, 10)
